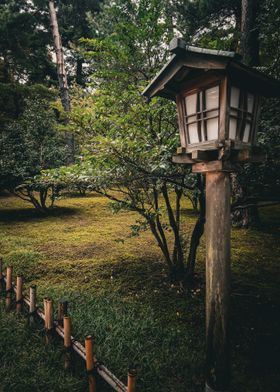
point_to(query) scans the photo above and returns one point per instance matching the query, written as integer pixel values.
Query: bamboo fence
(62, 327)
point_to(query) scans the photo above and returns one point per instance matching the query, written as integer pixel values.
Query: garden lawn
(119, 292)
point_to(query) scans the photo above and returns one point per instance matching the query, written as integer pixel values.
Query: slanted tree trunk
(62, 78)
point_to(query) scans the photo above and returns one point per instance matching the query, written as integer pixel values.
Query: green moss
(118, 290)
(26, 263)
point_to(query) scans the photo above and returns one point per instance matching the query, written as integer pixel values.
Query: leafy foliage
(128, 158)
(29, 143)
(24, 42)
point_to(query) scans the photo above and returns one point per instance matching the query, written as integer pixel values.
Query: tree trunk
(197, 231)
(245, 217)
(6, 70)
(249, 47)
(79, 71)
(250, 32)
(178, 269)
(62, 78)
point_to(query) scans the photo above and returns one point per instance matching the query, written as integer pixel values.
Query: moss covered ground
(119, 292)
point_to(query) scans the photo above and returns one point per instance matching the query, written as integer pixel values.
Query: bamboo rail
(90, 365)
(54, 325)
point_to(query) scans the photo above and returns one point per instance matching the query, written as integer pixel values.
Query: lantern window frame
(243, 116)
(201, 116)
(226, 113)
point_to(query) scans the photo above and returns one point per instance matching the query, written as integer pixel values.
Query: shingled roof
(187, 62)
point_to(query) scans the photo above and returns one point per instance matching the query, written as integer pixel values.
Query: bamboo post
(62, 311)
(32, 303)
(217, 280)
(45, 309)
(48, 306)
(1, 274)
(19, 296)
(9, 275)
(90, 364)
(131, 380)
(9, 287)
(67, 341)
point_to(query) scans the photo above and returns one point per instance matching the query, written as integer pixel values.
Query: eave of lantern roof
(185, 59)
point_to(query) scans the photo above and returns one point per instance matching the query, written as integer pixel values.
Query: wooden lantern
(218, 101)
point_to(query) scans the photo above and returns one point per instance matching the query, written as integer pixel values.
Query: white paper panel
(246, 133)
(213, 113)
(234, 97)
(212, 129)
(232, 128)
(191, 104)
(212, 97)
(191, 119)
(193, 133)
(202, 131)
(250, 103)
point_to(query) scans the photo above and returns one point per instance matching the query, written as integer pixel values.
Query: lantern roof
(190, 62)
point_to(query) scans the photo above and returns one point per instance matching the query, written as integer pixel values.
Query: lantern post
(218, 102)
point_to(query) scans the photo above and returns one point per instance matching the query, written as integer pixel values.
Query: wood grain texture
(217, 279)
(213, 166)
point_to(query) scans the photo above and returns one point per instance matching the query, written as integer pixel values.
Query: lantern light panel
(201, 110)
(218, 97)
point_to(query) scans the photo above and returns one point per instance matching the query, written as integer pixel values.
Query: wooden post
(32, 304)
(9, 287)
(62, 311)
(9, 275)
(217, 280)
(19, 296)
(67, 341)
(1, 274)
(48, 306)
(131, 380)
(90, 364)
(45, 308)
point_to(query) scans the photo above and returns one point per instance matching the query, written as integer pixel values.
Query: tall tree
(62, 78)
(250, 32)
(249, 47)
(75, 18)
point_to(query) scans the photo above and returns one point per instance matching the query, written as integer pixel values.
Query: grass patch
(26, 263)
(119, 292)
(27, 364)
